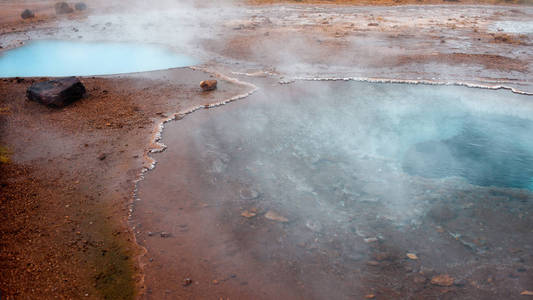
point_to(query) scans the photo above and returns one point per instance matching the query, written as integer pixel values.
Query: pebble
(274, 216)
(187, 282)
(371, 240)
(164, 234)
(442, 280)
(248, 214)
(412, 256)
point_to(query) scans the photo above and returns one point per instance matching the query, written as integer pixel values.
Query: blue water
(438, 132)
(66, 58)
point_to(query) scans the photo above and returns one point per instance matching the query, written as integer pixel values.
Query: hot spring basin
(357, 170)
(67, 58)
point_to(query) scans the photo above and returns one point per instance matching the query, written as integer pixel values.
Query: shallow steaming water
(68, 58)
(361, 174)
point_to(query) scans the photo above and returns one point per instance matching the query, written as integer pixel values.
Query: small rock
(373, 24)
(274, 216)
(27, 14)
(412, 256)
(372, 263)
(150, 233)
(80, 6)
(63, 8)
(208, 85)
(370, 296)
(187, 282)
(526, 293)
(102, 156)
(248, 214)
(164, 234)
(442, 280)
(371, 240)
(58, 92)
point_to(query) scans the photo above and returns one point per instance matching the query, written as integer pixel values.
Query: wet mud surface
(290, 193)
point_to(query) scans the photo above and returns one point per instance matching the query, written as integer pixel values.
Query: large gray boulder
(58, 92)
(27, 14)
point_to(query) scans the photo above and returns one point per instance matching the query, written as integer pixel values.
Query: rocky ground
(67, 187)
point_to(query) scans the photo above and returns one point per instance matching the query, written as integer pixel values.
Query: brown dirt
(393, 2)
(488, 61)
(64, 207)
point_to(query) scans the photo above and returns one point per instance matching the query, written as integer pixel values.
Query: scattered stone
(208, 85)
(412, 256)
(150, 233)
(80, 6)
(373, 24)
(371, 240)
(102, 156)
(248, 194)
(527, 293)
(164, 234)
(57, 92)
(215, 282)
(63, 8)
(187, 282)
(442, 280)
(248, 214)
(370, 296)
(27, 14)
(274, 216)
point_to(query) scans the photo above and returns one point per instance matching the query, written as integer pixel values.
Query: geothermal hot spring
(319, 190)
(53, 58)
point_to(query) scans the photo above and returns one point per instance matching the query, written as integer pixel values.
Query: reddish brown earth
(66, 192)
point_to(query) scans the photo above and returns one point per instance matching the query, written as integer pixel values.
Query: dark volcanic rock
(208, 85)
(80, 6)
(63, 8)
(58, 92)
(27, 14)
